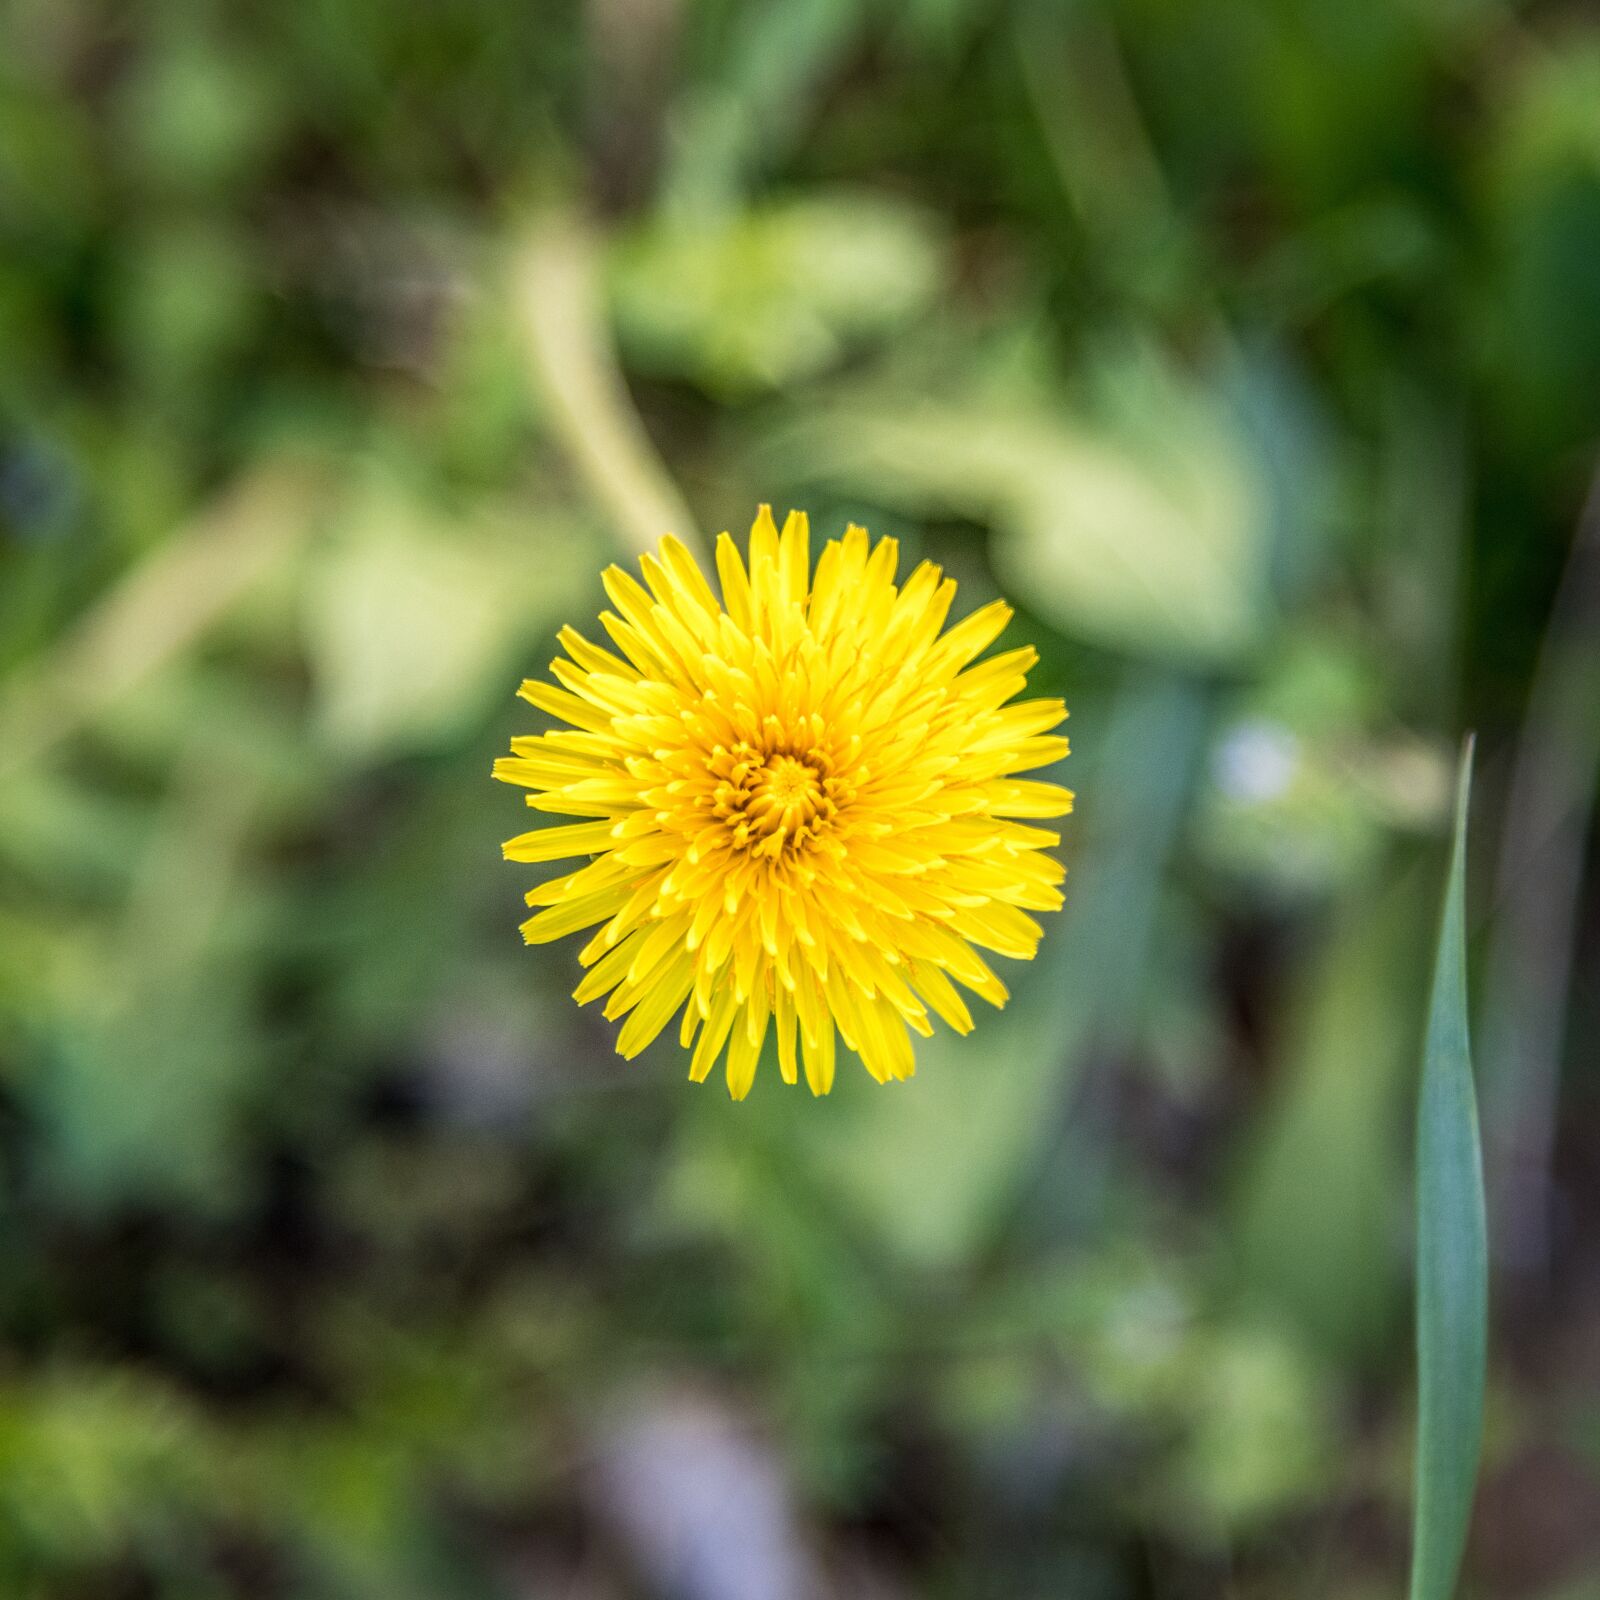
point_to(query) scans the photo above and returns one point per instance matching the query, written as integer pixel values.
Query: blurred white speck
(702, 1503)
(1255, 762)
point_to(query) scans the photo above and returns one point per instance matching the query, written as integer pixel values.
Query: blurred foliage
(1253, 349)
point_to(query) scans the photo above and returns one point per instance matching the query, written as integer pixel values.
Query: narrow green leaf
(1452, 1255)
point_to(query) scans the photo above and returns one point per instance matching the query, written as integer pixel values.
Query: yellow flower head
(803, 802)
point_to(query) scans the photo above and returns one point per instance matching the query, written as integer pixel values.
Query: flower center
(773, 801)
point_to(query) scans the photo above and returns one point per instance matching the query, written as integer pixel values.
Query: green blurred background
(1252, 348)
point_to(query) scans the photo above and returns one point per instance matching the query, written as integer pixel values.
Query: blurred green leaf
(187, 300)
(93, 1462)
(1313, 1217)
(1229, 1417)
(1147, 535)
(1540, 327)
(762, 72)
(139, 1096)
(1452, 1253)
(1258, 1429)
(196, 114)
(981, 1108)
(414, 621)
(759, 298)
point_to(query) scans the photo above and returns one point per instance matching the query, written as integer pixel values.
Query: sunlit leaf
(1150, 538)
(413, 625)
(765, 297)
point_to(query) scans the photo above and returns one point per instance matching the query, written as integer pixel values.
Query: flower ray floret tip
(797, 808)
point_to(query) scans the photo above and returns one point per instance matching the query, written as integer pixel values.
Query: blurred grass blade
(571, 357)
(161, 607)
(1452, 1258)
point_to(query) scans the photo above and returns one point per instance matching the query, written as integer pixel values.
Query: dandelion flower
(801, 805)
